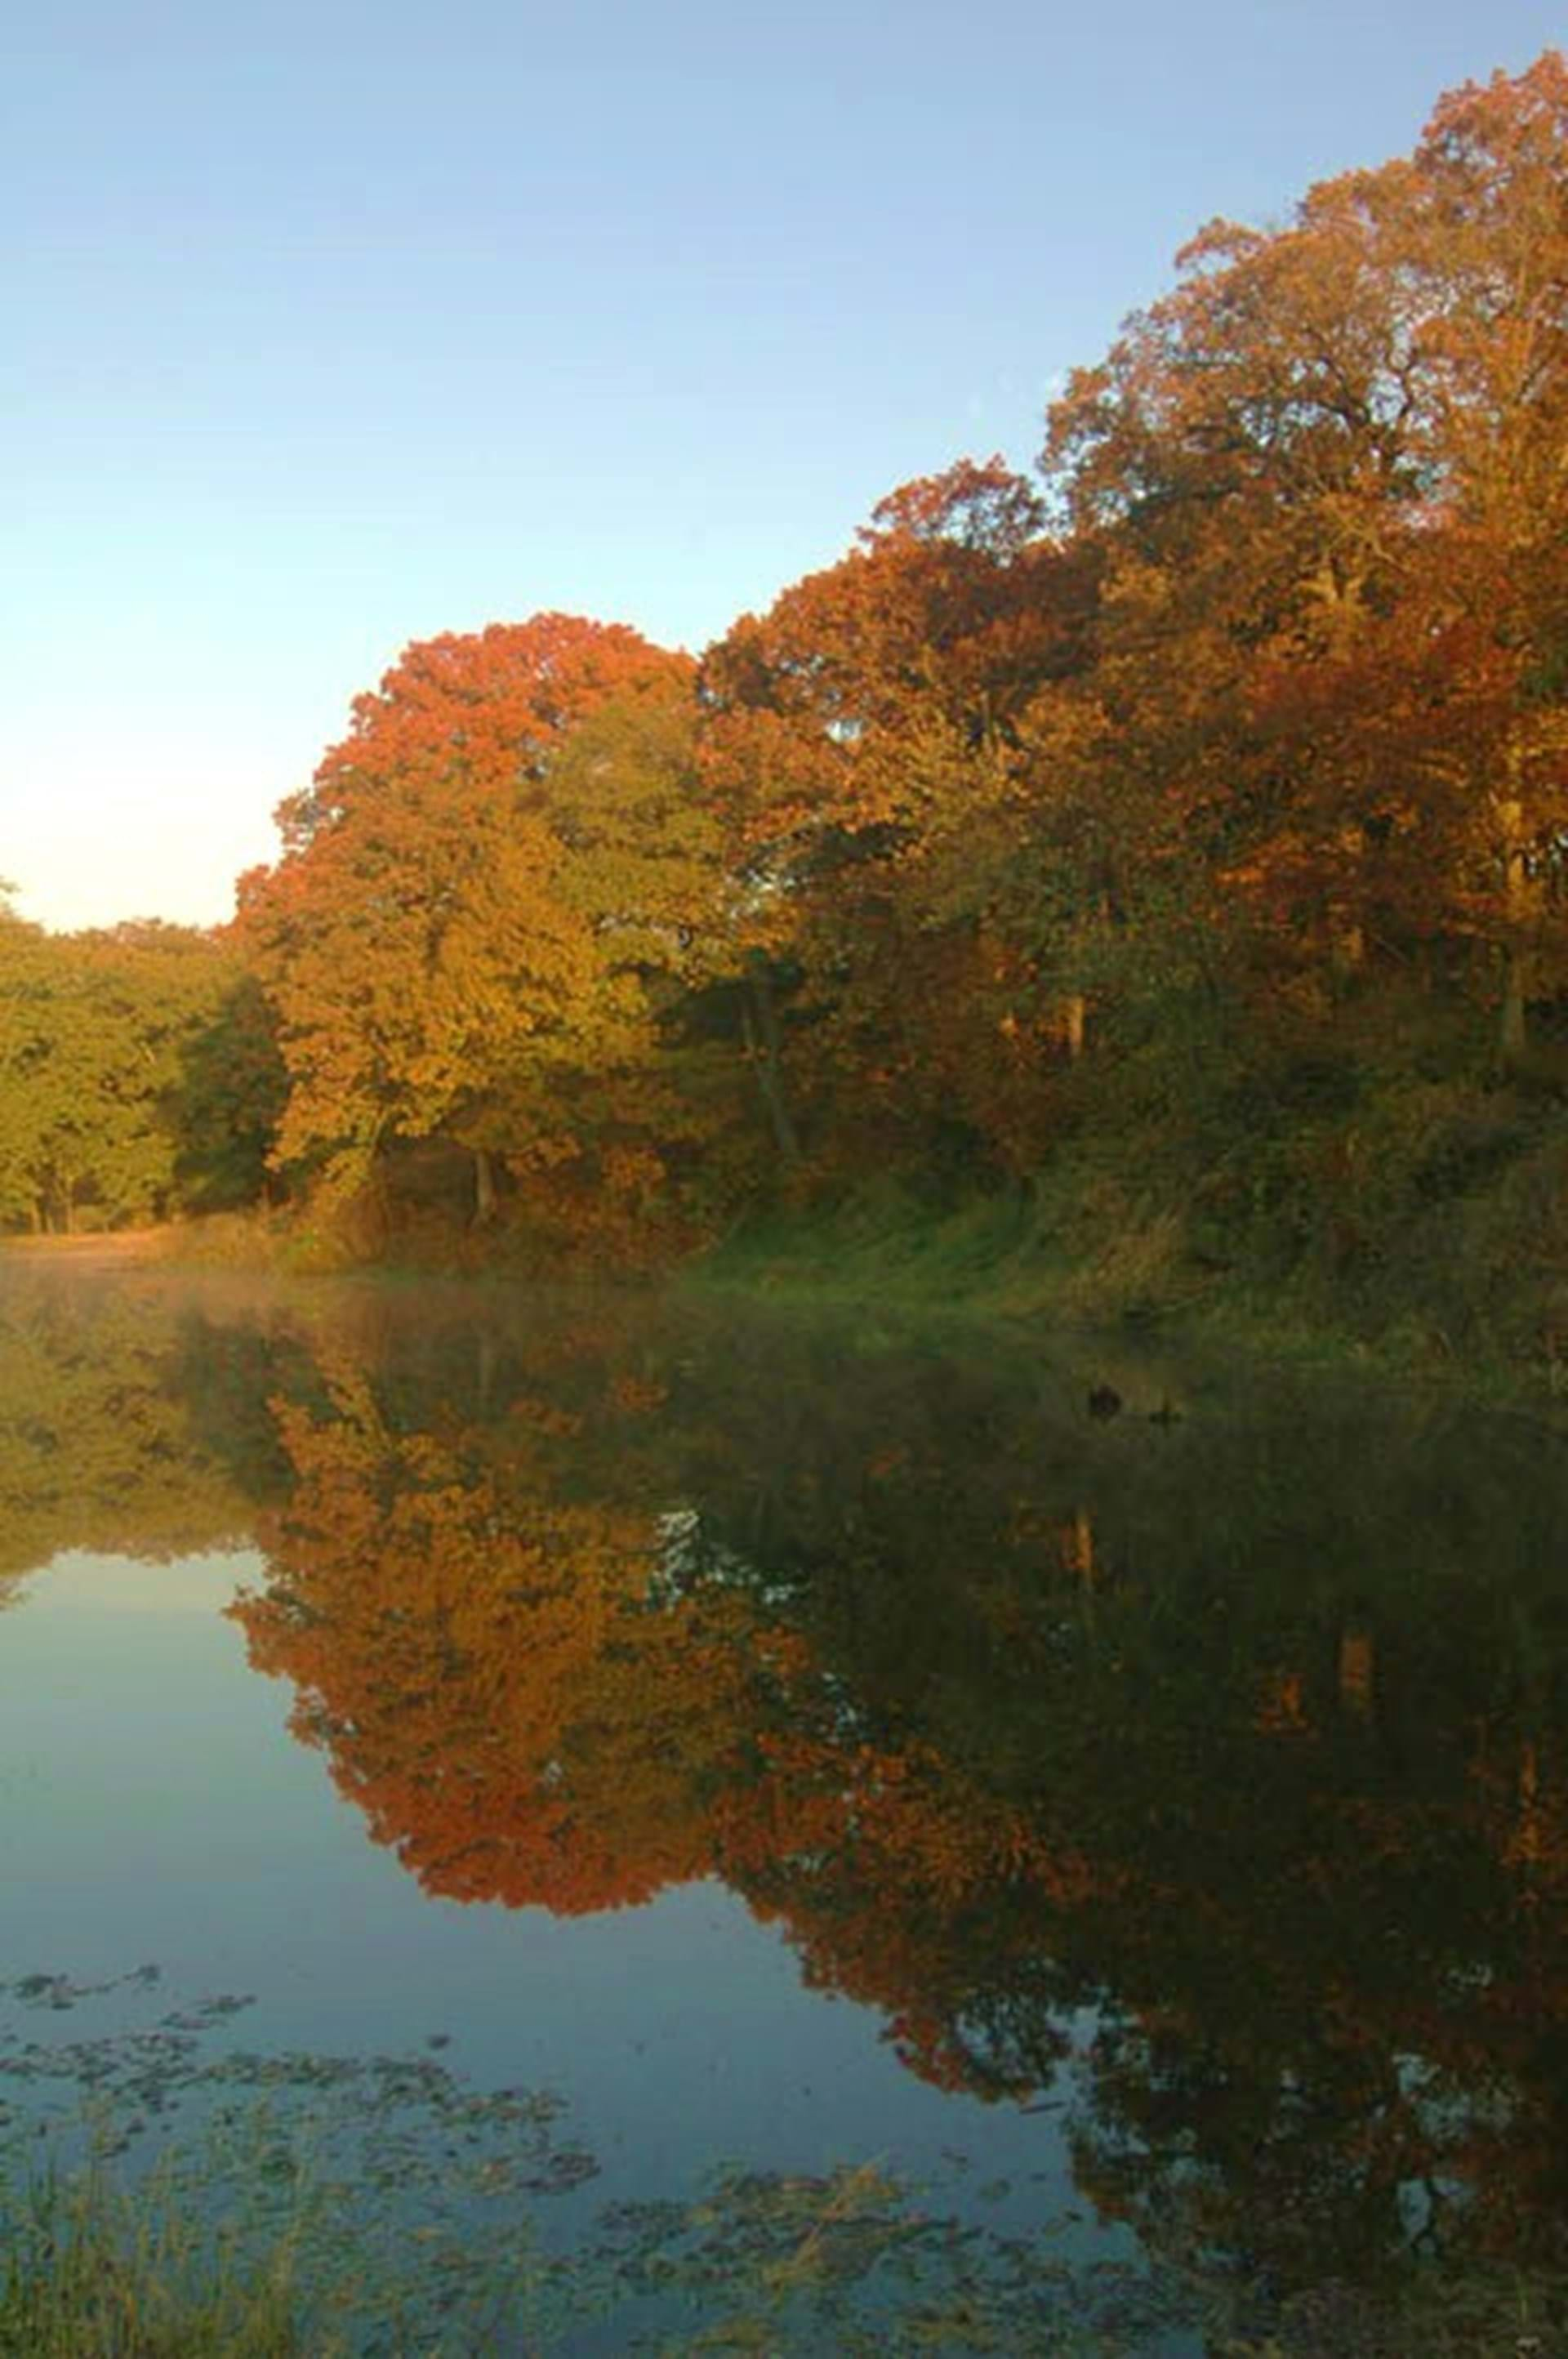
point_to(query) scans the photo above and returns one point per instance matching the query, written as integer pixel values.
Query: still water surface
(926, 1858)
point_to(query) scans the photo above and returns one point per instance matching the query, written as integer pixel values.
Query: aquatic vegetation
(168, 2192)
(361, 2198)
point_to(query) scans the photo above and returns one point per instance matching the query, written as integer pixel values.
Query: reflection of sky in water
(1238, 1729)
(153, 1808)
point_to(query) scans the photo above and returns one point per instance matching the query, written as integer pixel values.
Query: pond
(711, 1823)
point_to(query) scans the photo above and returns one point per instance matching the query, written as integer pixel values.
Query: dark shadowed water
(816, 1836)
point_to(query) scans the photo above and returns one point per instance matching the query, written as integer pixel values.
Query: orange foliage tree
(447, 925)
(861, 739)
(1325, 476)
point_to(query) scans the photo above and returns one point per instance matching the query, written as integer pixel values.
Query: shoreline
(910, 1274)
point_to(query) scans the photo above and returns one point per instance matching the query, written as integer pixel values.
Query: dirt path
(108, 1249)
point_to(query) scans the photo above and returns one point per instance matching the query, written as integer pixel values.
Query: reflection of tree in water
(482, 1663)
(1001, 1718)
(98, 1446)
(1245, 1738)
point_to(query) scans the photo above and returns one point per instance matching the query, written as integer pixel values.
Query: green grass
(1423, 1229)
(757, 2263)
(93, 2271)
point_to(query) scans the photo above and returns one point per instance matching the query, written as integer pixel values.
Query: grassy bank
(1301, 1210)
(1432, 1238)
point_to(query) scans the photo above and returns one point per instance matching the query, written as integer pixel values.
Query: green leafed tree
(95, 1029)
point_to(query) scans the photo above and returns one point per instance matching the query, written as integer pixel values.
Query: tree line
(1207, 786)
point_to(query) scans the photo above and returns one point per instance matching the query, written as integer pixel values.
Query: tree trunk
(1512, 1025)
(762, 1043)
(1519, 898)
(483, 1186)
(1348, 944)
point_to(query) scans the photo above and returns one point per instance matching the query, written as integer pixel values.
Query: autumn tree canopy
(431, 937)
(1327, 476)
(1148, 833)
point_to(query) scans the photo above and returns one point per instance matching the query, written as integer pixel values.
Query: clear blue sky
(330, 327)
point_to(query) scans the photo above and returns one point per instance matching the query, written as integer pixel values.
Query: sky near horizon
(331, 328)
